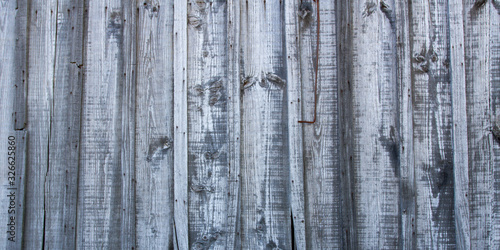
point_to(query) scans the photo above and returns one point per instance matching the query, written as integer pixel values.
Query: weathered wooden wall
(173, 124)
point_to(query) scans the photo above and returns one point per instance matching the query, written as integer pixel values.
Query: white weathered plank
(265, 211)
(207, 124)
(101, 217)
(295, 131)
(154, 114)
(494, 84)
(375, 132)
(181, 197)
(432, 122)
(41, 61)
(233, 228)
(405, 92)
(61, 185)
(459, 128)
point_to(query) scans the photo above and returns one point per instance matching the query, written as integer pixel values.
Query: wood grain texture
(233, 228)
(375, 133)
(154, 126)
(12, 150)
(207, 124)
(181, 193)
(21, 70)
(128, 121)
(321, 139)
(41, 61)
(494, 84)
(101, 217)
(295, 130)
(265, 204)
(459, 127)
(406, 163)
(432, 123)
(61, 186)
(476, 69)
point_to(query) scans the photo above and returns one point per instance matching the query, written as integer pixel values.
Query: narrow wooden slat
(128, 121)
(101, 216)
(154, 119)
(21, 70)
(295, 130)
(181, 197)
(375, 139)
(233, 229)
(494, 84)
(407, 164)
(207, 124)
(344, 55)
(61, 186)
(432, 122)
(13, 143)
(265, 205)
(459, 129)
(41, 61)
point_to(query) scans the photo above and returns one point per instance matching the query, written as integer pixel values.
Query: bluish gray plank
(154, 124)
(265, 204)
(61, 185)
(41, 62)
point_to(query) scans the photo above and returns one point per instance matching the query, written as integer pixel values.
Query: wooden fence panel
(175, 124)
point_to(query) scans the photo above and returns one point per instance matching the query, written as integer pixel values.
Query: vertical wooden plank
(475, 68)
(207, 123)
(459, 127)
(13, 149)
(234, 125)
(41, 60)
(265, 170)
(101, 216)
(128, 121)
(13, 189)
(61, 186)
(432, 122)
(344, 72)
(295, 131)
(407, 164)
(494, 84)
(21, 70)
(154, 138)
(181, 127)
(321, 139)
(375, 139)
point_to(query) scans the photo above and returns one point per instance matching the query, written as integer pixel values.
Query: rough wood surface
(154, 114)
(174, 123)
(101, 214)
(61, 186)
(41, 62)
(181, 188)
(432, 123)
(207, 124)
(375, 133)
(265, 204)
(233, 232)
